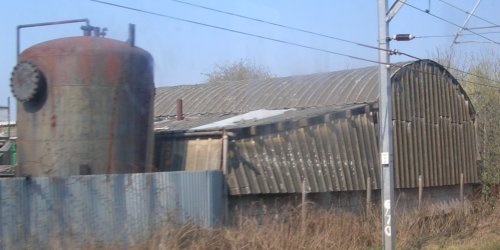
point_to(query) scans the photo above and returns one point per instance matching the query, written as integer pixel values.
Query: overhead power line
(475, 75)
(473, 41)
(237, 31)
(485, 27)
(461, 71)
(481, 84)
(285, 26)
(447, 21)
(394, 52)
(437, 36)
(303, 30)
(289, 43)
(467, 12)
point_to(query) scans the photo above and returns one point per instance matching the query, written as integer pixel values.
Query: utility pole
(385, 123)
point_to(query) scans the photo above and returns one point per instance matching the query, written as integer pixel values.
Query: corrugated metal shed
(330, 138)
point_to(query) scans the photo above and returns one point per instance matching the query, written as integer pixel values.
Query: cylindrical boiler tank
(84, 107)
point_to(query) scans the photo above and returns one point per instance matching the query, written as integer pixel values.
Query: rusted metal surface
(335, 148)
(94, 111)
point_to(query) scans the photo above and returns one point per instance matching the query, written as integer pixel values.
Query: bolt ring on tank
(25, 81)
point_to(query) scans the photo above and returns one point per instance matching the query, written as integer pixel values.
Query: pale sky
(183, 52)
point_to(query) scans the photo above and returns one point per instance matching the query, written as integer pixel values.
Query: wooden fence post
(420, 191)
(462, 200)
(368, 196)
(303, 205)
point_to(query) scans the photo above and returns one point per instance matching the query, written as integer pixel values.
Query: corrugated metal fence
(122, 209)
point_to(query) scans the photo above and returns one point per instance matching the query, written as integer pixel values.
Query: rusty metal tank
(84, 107)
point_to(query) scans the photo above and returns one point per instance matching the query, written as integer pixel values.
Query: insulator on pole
(403, 37)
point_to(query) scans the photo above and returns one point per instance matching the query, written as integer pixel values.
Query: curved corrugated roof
(316, 90)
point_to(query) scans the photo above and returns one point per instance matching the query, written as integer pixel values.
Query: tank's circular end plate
(25, 81)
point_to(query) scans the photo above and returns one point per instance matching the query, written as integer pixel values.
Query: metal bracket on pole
(465, 23)
(394, 9)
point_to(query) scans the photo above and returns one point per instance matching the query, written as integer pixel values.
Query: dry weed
(292, 228)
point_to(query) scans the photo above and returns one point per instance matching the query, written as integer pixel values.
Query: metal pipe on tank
(131, 34)
(19, 27)
(179, 113)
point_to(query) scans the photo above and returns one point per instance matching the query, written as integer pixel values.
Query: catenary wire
(301, 30)
(475, 75)
(472, 41)
(437, 36)
(485, 27)
(289, 43)
(467, 12)
(461, 71)
(289, 27)
(471, 74)
(294, 28)
(279, 25)
(447, 21)
(239, 32)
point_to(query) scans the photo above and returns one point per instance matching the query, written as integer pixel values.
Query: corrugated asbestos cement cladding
(317, 90)
(433, 127)
(337, 148)
(331, 156)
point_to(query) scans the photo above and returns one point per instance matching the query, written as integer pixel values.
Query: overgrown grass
(319, 229)
(292, 228)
